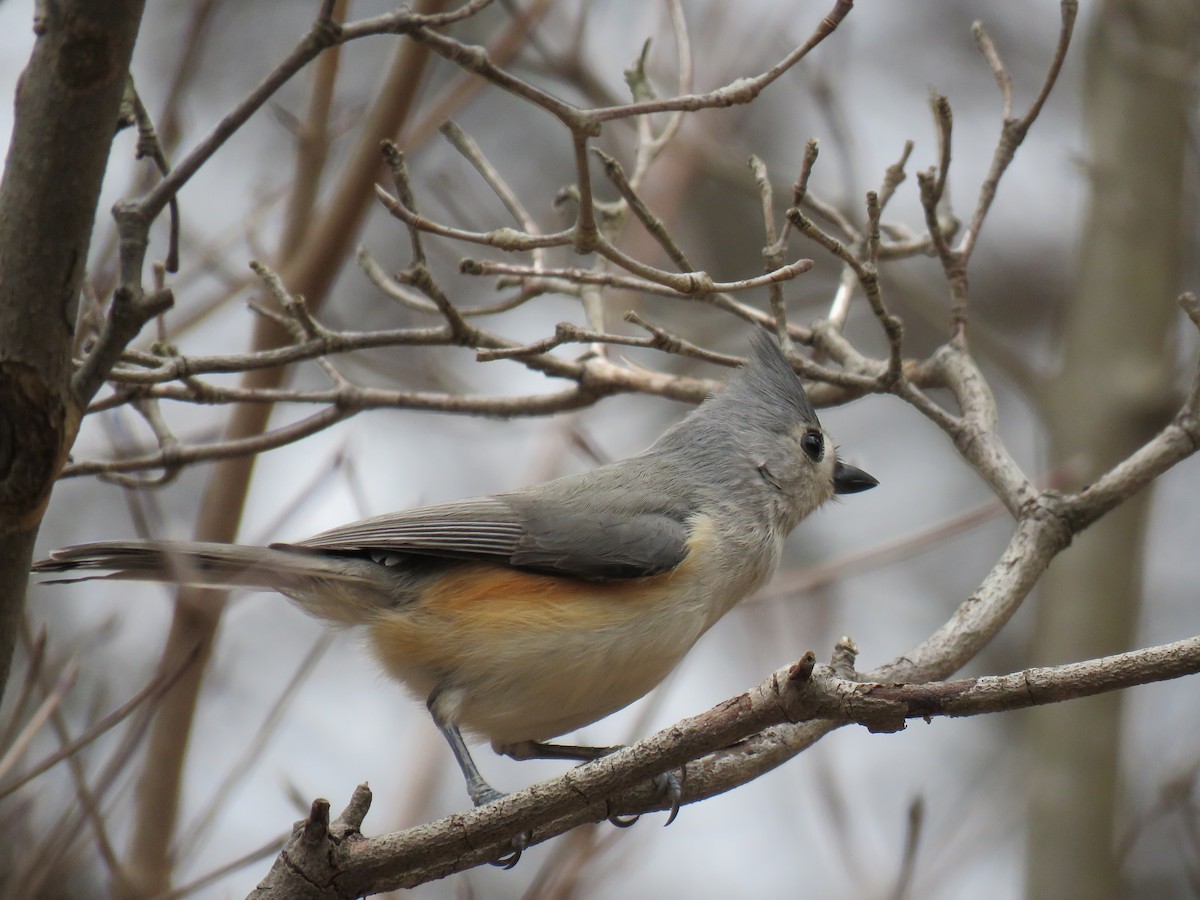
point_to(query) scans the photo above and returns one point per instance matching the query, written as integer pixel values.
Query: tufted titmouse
(528, 614)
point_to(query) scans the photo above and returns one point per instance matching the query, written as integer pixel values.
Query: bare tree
(119, 359)
(1131, 244)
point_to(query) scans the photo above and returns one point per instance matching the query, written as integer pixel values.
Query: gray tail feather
(328, 587)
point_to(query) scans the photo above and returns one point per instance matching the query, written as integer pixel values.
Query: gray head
(765, 393)
(763, 416)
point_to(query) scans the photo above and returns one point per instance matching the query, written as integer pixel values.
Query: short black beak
(849, 480)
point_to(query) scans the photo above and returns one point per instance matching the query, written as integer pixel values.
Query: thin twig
(772, 250)
(741, 91)
(652, 223)
(987, 47)
(687, 283)
(1013, 131)
(12, 755)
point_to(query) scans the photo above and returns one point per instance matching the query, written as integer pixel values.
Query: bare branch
(396, 165)
(894, 176)
(688, 284)
(594, 792)
(502, 238)
(987, 47)
(469, 149)
(323, 34)
(772, 250)
(153, 689)
(1013, 132)
(39, 718)
(744, 90)
(653, 224)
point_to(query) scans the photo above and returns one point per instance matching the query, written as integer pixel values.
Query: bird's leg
(668, 785)
(481, 792)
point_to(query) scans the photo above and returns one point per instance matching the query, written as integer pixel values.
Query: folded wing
(557, 531)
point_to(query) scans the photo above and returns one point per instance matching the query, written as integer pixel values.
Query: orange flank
(499, 593)
(480, 616)
(478, 603)
(542, 654)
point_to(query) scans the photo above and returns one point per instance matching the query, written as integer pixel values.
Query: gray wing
(591, 526)
(483, 526)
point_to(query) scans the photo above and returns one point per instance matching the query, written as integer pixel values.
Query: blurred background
(1092, 236)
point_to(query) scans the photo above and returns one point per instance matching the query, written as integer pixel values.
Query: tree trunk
(67, 106)
(1113, 393)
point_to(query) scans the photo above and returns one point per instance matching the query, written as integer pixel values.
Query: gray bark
(1113, 392)
(67, 107)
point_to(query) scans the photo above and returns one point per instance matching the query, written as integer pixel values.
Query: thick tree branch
(336, 857)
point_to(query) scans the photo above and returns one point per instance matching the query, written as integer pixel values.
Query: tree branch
(321, 853)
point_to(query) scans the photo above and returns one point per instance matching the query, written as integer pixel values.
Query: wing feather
(483, 526)
(593, 527)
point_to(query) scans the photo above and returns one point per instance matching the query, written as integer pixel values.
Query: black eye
(813, 444)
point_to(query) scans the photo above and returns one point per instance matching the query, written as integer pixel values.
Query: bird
(525, 615)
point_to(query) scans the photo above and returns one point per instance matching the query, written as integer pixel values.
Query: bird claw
(668, 785)
(618, 821)
(483, 793)
(510, 859)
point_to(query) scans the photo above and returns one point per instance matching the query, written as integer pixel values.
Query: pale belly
(528, 657)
